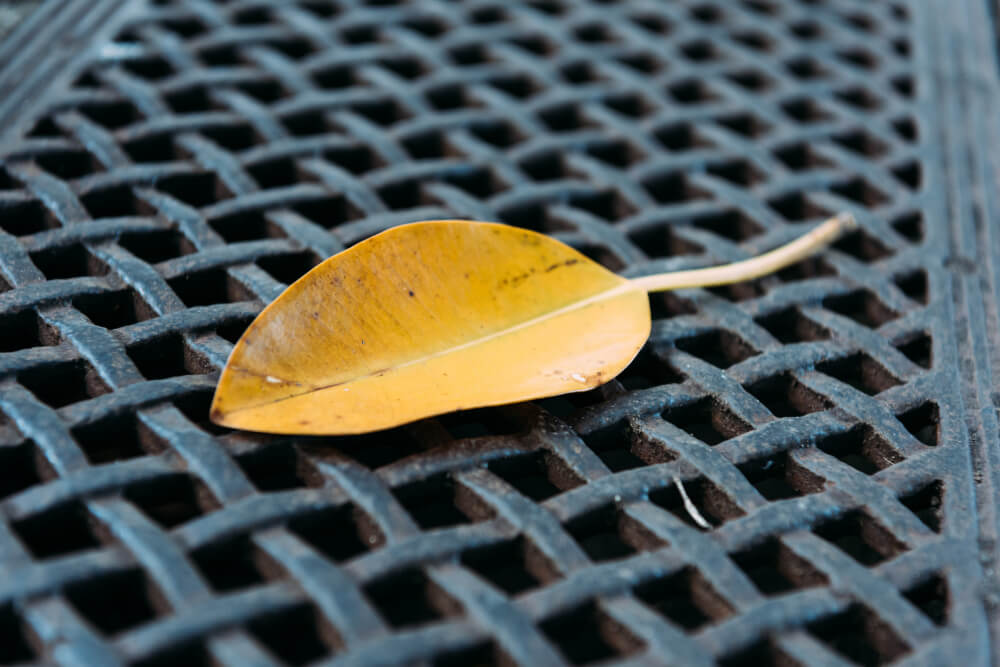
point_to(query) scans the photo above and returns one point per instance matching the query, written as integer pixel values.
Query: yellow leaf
(434, 317)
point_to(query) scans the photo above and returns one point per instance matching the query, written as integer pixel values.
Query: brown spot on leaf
(568, 262)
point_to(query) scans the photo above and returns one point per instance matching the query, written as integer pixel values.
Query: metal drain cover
(167, 167)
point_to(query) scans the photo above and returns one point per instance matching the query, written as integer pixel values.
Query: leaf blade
(462, 315)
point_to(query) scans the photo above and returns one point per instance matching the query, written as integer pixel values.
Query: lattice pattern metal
(218, 151)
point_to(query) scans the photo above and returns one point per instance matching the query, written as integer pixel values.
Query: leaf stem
(755, 267)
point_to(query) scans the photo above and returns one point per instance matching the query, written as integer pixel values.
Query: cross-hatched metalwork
(214, 152)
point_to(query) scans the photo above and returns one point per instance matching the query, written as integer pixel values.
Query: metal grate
(212, 153)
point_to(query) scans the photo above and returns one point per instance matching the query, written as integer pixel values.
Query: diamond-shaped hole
(448, 97)
(653, 23)
(172, 499)
(862, 246)
(23, 329)
(204, 288)
(287, 268)
(113, 310)
(911, 226)
(617, 445)
(706, 420)
(738, 172)
(752, 80)
(860, 636)
(791, 326)
(861, 372)
(435, 503)
(545, 167)
(616, 153)
(661, 241)
(672, 188)
(479, 423)
(156, 246)
(860, 537)
(775, 569)
(585, 635)
(594, 33)
(859, 57)
(753, 39)
(691, 91)
(245, 226)
(378, 449)
(680, 137)
(800, 157)
(712, 504)
(917, 348)
(563, 118)
(731, 224)
(340, 533)
(931, 597)
(538, 476)
(806, 68)
(70, 261)
(664, 305)
(277, 467)
(718, 347)
(707, 14)
(648, 370)
(24, 466)
(608, 534)
(750, 126)
(113, 202)
(906, 128)
(408, 598)
(763, 652)
(234, 563)
(64, 529)
(479, 183)
(685, 599)
(923, 422)
(503, 564)
(63, 383)
(806, 269)
(136, 601)
(15, 646)
(785, 396)
(700, 51)
(742, 291)
(120, 436)
(111, 115)
(860, 191)
(23, 218)
(628, 104)
(861, 448)
(167, 356)
(909, 174)
(861, 98)
(805, 111)
(68, 164)
(862, 143)
(195, 189)
(780, 476)
(297, 636)
(862, 306)
(914, 285)
(796, 207)
(926, 503)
